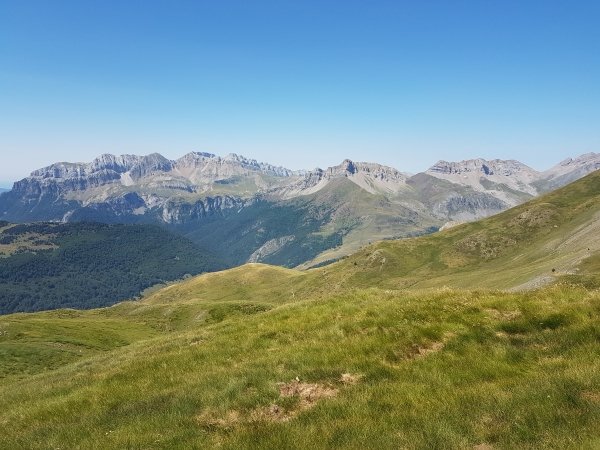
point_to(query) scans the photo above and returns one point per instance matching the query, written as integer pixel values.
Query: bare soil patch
(503, 315)
(306, 395)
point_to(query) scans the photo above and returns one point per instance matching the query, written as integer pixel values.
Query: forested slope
(87, 265)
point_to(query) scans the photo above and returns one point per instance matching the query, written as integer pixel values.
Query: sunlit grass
(434, 369)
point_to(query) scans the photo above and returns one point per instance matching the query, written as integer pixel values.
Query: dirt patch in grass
(308, 392)
(306, 395)
(502, 315)
(419, 351)
(212, 422)
(349, 378)
(483, 447)
(591, 396)
(294, 398)
(416, 351)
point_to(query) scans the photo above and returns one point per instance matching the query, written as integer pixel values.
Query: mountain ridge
(201, 191)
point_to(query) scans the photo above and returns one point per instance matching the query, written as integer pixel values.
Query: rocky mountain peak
(505, 168)
(349, 166)
(582, 159)
(571, 169)
(150, 164)
(107, 161)
(254, 165)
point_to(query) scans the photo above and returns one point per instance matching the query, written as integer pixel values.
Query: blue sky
(299, 83)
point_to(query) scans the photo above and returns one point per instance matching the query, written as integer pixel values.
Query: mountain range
(244, 210)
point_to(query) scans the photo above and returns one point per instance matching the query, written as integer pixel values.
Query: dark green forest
(236, 238)
(90, 264)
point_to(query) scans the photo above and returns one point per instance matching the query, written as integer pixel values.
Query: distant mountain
(512, 181)
(3, 190)
(87, 265)
(246, 210)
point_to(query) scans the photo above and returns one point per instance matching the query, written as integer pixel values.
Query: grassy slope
(198, 364)
(362, 217)
(437, 369)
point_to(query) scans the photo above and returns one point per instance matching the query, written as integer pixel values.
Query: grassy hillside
(86, 265)
(370, 352)
(366, 369)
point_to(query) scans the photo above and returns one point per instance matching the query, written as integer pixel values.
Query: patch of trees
(95, 265)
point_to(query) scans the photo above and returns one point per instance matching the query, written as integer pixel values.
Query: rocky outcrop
(466, 208)
(509, 181)
(150, 165)
(270, 247)
(206, 168)
(506, 168)
(177, 213)
(134, 208)
(134, 188)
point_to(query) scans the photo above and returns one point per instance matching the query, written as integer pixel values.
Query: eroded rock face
(507, 168)
(270, 247)
(369, 176)
(465, 208)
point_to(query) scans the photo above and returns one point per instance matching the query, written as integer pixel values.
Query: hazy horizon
(301, 85)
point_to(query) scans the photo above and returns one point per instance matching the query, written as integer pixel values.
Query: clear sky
(299, 83)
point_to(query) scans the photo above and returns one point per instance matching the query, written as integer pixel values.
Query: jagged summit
(586, 158)
(482, 166)
(371, 177)
(571, 169)
(507, 180)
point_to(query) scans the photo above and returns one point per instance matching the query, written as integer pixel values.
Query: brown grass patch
(210, 421)
(305, 394)
(419, 351)
(308, 393)
(349, 378)
(591, 396)
(483, 447)
(502, 315)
